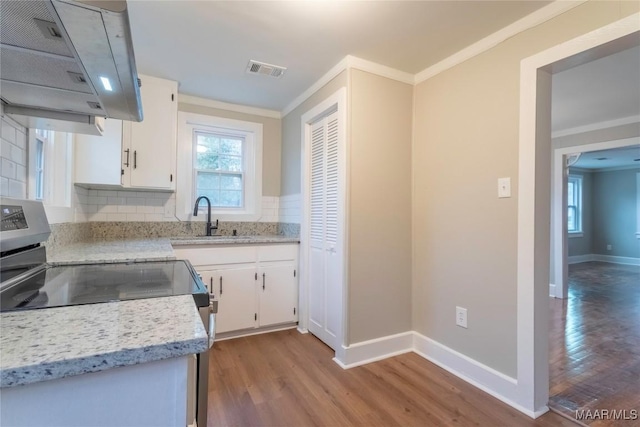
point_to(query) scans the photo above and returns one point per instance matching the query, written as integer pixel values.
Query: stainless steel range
(27, 282)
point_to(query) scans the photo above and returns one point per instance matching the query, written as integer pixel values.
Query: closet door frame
(335, 102)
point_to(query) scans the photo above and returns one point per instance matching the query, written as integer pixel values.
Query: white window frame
(58, 169)
(188, 124)
(578, 181)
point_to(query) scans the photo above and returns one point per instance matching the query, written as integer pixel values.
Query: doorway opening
(534, 202)
(594, 342)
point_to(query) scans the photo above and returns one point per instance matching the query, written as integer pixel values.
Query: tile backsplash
(13, 159)
(141, 206)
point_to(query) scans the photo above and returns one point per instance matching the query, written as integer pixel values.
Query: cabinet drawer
(199, 256)
(277, 253)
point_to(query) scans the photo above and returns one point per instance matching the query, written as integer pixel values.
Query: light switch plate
(461, 316)
(504, 187)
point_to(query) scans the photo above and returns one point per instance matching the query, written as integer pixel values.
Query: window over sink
(221, 159)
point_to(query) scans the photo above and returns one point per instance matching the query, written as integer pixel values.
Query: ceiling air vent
(256, 67)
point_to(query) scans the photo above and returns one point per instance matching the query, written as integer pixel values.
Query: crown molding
(349, 62)
(533, 19)
(380, 70)
(205, 102)
(596, 126)
(326, 78)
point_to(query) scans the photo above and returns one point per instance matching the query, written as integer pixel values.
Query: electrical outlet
(609, 247)
(461, 317)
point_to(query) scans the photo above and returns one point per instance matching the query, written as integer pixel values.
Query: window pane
(207, 181)
(571, 219)
(231, 146)
(230, 163)
(207, 143)
(39, 169)
(570, 194)
(231, 199)
(231, 182)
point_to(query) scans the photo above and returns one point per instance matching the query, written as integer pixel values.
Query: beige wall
(271, 142)
(379, 207)
(465, 238)
(291, 135)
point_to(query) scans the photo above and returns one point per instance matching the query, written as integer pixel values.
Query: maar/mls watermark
(607, 414)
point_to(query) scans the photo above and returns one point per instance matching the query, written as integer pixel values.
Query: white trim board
(612, 259)
(373, 350)
(485, 378)
(578, 259)
(212, 103)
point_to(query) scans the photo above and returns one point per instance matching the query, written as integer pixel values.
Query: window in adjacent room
(574, 204)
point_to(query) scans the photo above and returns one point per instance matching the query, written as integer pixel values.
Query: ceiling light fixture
(106, 83)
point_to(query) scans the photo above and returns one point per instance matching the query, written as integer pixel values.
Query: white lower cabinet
(235, 290)
(277, 295)
(255, 286)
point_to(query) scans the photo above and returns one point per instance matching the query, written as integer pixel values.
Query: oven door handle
(212, 319)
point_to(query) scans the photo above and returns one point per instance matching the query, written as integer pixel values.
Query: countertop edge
(32, 374)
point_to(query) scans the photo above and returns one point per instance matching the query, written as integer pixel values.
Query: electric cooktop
(67, 285)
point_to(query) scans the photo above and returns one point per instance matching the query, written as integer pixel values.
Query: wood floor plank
(594, 343)
(289, 379)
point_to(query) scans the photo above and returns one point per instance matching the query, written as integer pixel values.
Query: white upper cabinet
(131, 154)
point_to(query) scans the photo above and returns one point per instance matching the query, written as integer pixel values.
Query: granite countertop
(138, 250)
(232, 240)
(45, 344)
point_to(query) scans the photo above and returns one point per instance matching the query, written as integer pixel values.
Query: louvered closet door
(325, 267)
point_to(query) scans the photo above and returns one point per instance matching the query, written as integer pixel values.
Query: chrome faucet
(195, 213)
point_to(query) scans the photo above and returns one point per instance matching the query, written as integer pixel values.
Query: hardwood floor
(594, 342)
(289, 379)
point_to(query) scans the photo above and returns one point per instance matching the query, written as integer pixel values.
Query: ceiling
(598, 91)
(607, 159)
(206, 45)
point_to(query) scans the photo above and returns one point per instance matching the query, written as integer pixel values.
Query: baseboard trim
(373, 350)
(487, 379)
(616, 259)
(577, 259)
(496, 384)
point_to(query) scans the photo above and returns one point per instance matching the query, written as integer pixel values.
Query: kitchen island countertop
(40, 345)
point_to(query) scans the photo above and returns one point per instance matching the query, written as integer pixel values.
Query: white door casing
(322, 281)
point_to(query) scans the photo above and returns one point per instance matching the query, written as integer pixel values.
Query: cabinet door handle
(220, 285)
(211, 287)
(135, 159)
(126, 162)
(263, 280)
